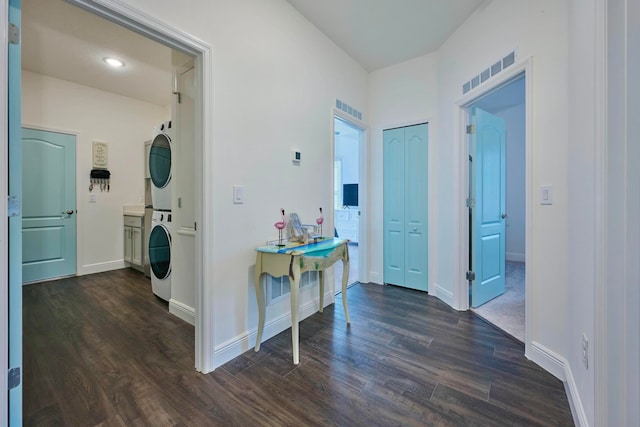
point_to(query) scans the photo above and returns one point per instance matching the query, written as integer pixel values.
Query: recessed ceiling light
(116, 63)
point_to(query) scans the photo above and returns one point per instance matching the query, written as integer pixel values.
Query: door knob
(69, 212)
(503, 216)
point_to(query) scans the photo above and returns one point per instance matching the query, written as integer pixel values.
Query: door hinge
(471, 275)
(471, 129)
(13, 378)
(195, 226)
(471, 203)
(13, 206)
(179, 97)
(14, 33)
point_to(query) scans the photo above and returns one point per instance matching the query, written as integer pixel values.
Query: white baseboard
(547, 359)
(375, 278)
(182, 311)
(101, 267)
(442, 293)
(512, 256)
(559, 367)
(234, 347)
(577, 409)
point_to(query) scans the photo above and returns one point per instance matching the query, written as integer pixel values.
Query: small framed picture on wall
(100, 155)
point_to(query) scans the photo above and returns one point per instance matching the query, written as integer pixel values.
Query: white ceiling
(379, 33)
(64, 41)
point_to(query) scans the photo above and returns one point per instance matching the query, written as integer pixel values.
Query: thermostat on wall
(296, 156)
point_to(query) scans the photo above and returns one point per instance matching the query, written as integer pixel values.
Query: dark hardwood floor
(102, 350)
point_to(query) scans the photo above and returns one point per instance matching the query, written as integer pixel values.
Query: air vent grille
(348, 109)
(485, 75)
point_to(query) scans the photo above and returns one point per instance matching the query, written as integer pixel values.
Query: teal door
(488, 174)
(405, 206)
(49, 205)
(15, 223)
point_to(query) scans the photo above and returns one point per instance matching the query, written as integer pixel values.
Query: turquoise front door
(488, 174)
(406, 206)
(15, 226)
(49, 205)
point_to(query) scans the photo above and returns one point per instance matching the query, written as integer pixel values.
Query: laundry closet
(167, 219)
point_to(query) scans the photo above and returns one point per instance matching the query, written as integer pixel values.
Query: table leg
(321, 278)
(295, 286)
(345, 280)
(260, 298)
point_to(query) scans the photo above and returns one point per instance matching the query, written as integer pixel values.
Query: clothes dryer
(160, 167)
(160, 254)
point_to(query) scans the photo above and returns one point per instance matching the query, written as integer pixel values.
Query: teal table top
(326, 244)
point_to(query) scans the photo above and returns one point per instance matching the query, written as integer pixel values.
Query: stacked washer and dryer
(160, 235)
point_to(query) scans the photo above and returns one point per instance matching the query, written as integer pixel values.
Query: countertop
(133, 210)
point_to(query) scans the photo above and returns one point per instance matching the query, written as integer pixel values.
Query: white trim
(118, 11)
(547, 359)
(573, 395)
(512, 256)
(51, 129)
(600, 203)
(182, 311)
(4, 234)
(560, 368)
(460, 299)
(101, 267)
(363, 173)
(239, 344)
(375, 278)
(442, 293)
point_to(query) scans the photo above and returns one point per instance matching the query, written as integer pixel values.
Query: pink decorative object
(280, 225)
(319, 221)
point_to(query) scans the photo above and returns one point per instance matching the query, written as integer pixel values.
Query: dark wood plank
(102, 350)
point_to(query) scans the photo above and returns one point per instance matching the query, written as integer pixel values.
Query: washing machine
(160, 167)
(160, 254)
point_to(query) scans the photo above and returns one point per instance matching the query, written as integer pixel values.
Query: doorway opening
(182, 46)
(348, 195)
(497, 207)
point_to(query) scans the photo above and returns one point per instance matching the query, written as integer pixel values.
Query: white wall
(275, 81)
(347, 150)
(537, 30)
(95, 115)
(399, 95)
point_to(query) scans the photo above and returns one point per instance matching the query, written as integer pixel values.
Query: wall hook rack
(100, 177)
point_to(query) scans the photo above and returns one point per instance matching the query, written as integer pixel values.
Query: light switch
(92, 198)
(238, 194)
(546, 194)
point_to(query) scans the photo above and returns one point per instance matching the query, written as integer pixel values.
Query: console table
(292, 260)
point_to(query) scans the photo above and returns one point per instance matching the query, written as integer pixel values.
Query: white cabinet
(133, 241)
(348, 224)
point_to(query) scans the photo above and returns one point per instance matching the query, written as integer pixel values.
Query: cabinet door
(136, 246)
(127, 244)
